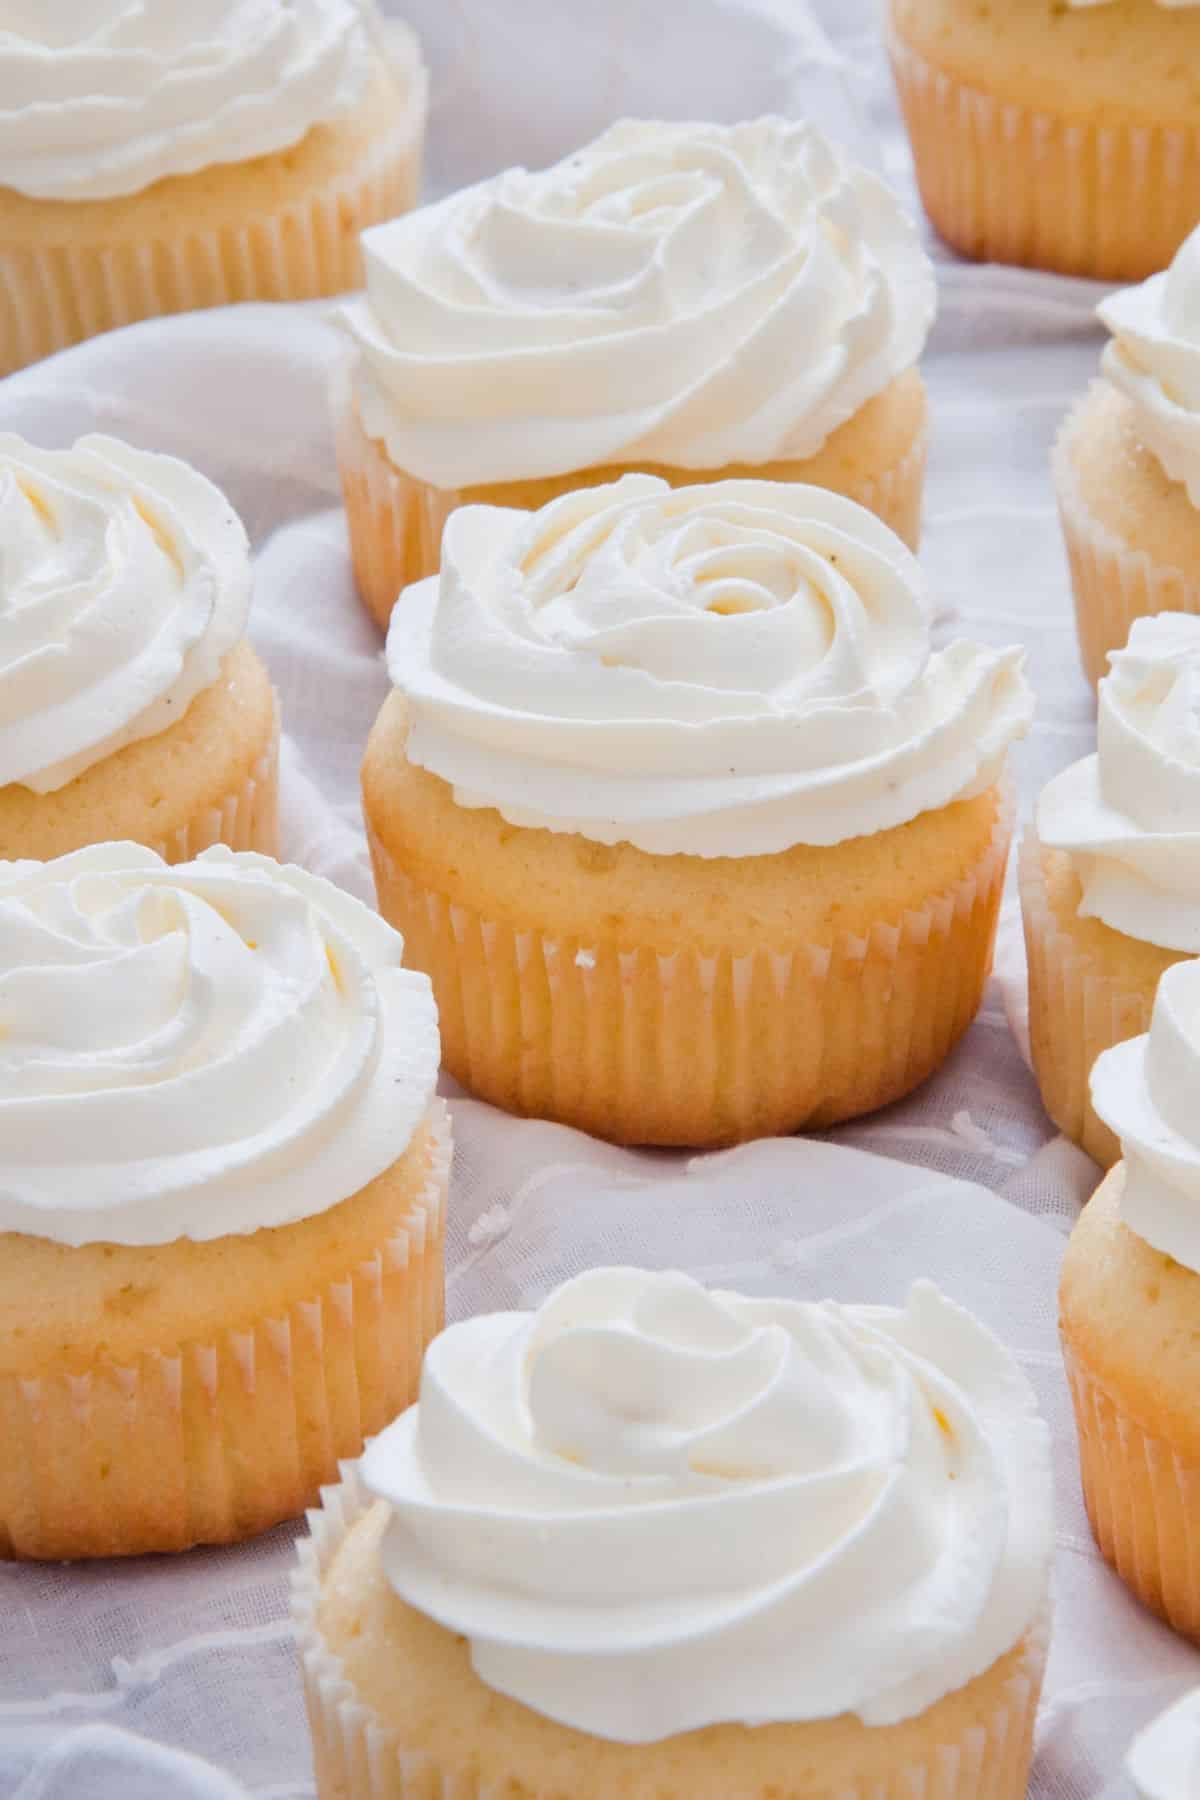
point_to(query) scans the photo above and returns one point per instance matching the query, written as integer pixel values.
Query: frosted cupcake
(651, 1540)
(131, 704)
(1127, 464)
(154, 159)
(695, 835)
(701, 301)
(1164, 1761)
(1130, 1311)
(1064, 136)
(222, 1179)
(1110, 877)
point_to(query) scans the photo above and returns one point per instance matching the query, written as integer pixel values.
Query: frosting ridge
(1154, 358)
(695, 295)
(1129, 816)
(721, 670)
(1164, 1761)
(642, 1501)
(197, 1051)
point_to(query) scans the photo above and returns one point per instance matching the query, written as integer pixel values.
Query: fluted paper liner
(1077, 1010)
(358, 1756)
(396, 521)
(1006, 183)
(1143, 1501)
(216, 1440)
(55, 295)
(697, 1049)
(246, 819)
(1113, 582)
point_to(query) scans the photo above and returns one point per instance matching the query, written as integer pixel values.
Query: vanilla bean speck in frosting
(1154, 359)
(721, 670)
(652, 1508)
(1129, 816)
(695, 295)
(1145, 1091)
(197, 1051)
(124, 582)
(100, 98)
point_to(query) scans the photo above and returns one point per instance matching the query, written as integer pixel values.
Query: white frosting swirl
(1130, 815)
(1154, 358)
(652, 1508)
(1145, 1091)
(124, 583)
(1164, 1761)
(694, 295)
(197, 1051)
(722, 670)
(104, 97)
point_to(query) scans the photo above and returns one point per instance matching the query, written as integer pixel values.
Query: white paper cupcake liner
(246, 819)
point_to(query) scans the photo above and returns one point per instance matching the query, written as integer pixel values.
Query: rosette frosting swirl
(1130, 815)
(1154, 358)
(104, 97)
(1145, 1091)
(696, 295)
(1164, 1761)
(197, 1051)
(721, 670)
(652, 1508)
(124, 582)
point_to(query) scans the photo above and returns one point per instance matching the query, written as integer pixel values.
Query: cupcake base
(278, 227)
(629, 996)
(157, 1397)
(398, 1713)
(1003, 182)
(1089, 988)
(1132, 534)
(1128, 1321)
(396, 521)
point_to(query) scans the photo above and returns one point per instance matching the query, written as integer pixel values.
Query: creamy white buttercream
(124, 582)
(1130, 815)
(1145, 1091)
(197, 1051)
(1154, 358)
(695, 295)
(651, 1508)
(721, 670)
(104, 97)
(1164, 1761)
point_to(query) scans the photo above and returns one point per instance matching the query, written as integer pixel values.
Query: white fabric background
(192, 1655)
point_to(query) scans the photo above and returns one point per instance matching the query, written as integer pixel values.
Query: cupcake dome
(1127, 464)
(694, 833)
(612, 1588)
(221, 1184)
(131, 704)
(698, 300)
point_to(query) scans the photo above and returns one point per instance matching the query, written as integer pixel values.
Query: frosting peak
(720, 670)
(1145, 1091)
(197, 1051)
(645, 1504)
(1164, 1762)
(1130, 815)
(100, 98)
(695, 295)
(124, 583)
(1154, 358)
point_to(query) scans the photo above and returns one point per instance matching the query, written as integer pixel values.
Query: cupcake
(222, 1180)
(695, 835)
(1127, 464)
(1110, 876)
(655, 1540)
(1130, 1311)
(699, 301)
(1061, 135)
(1164, 1761)
(131, 703)
(153, 160)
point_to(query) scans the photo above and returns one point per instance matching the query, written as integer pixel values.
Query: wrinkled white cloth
(175, 1678)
